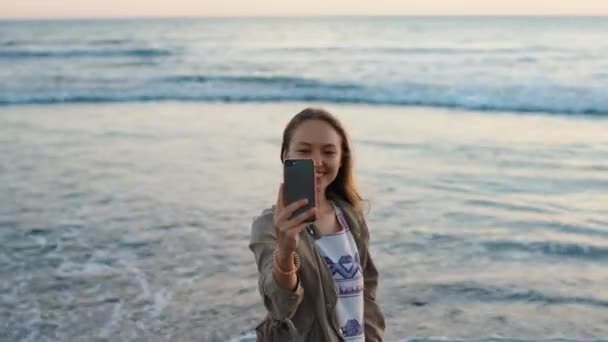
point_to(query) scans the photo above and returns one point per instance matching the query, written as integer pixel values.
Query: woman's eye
(302, 151)
(330, 152)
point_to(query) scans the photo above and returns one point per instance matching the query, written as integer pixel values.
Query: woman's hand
(287, 230)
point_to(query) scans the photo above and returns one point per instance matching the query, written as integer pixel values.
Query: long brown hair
(344, 186)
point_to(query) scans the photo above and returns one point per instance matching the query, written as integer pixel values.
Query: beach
(135, 154)
(130, 221)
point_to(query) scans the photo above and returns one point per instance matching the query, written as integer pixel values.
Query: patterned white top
(340, 253)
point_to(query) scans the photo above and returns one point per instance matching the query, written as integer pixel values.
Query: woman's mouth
(318, 177)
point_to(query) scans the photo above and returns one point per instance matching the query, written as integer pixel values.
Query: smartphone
(299, 183)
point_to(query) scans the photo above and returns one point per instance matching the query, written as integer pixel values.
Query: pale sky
(148, 8)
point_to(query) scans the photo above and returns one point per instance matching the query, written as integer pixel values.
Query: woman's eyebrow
(303, 143)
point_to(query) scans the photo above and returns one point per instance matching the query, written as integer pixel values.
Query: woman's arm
(281, 294)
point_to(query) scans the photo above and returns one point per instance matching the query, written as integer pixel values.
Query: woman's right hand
(287, 230)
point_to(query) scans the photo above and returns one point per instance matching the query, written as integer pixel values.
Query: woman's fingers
(284, 222)
(279, 208)
(287, 231)
(280, 203)
(297, 221)
(287, 212)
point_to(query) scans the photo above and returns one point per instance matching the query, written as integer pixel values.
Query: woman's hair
(344, 185)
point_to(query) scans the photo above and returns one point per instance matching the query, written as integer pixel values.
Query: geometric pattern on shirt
(349, 291)
(347, 266)
(352, 328)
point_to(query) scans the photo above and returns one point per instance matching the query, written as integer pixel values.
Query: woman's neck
(323, 203)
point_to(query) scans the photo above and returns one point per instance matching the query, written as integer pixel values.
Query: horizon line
(296, 16)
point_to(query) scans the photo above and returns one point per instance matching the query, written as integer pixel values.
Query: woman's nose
(317, 159)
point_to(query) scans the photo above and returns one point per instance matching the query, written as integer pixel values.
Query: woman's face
(318, 140)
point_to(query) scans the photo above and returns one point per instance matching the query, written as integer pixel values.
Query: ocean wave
(110, 42)
(579, 229)
(65, 43)
(10, 43)
(239, 88)
(550, 248)
(264, 80)
(76, 53)
(441, 292)
(429, 50)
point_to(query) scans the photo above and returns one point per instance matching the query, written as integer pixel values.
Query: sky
(223, 8)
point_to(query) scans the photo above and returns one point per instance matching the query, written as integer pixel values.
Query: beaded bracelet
(296, 262)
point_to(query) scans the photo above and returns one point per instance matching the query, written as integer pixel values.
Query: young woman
(318, 281)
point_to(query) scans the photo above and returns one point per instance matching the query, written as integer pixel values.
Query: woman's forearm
(283, 271)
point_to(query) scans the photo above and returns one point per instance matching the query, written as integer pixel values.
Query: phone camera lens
(290, 163)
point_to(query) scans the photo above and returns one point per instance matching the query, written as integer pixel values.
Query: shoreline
(600, 116)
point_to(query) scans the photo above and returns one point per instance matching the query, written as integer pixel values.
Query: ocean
(525, 64)
(134, 155)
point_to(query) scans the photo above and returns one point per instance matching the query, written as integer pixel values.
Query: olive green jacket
(309, 312)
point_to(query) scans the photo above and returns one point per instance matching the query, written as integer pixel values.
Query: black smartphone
(299, 183)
